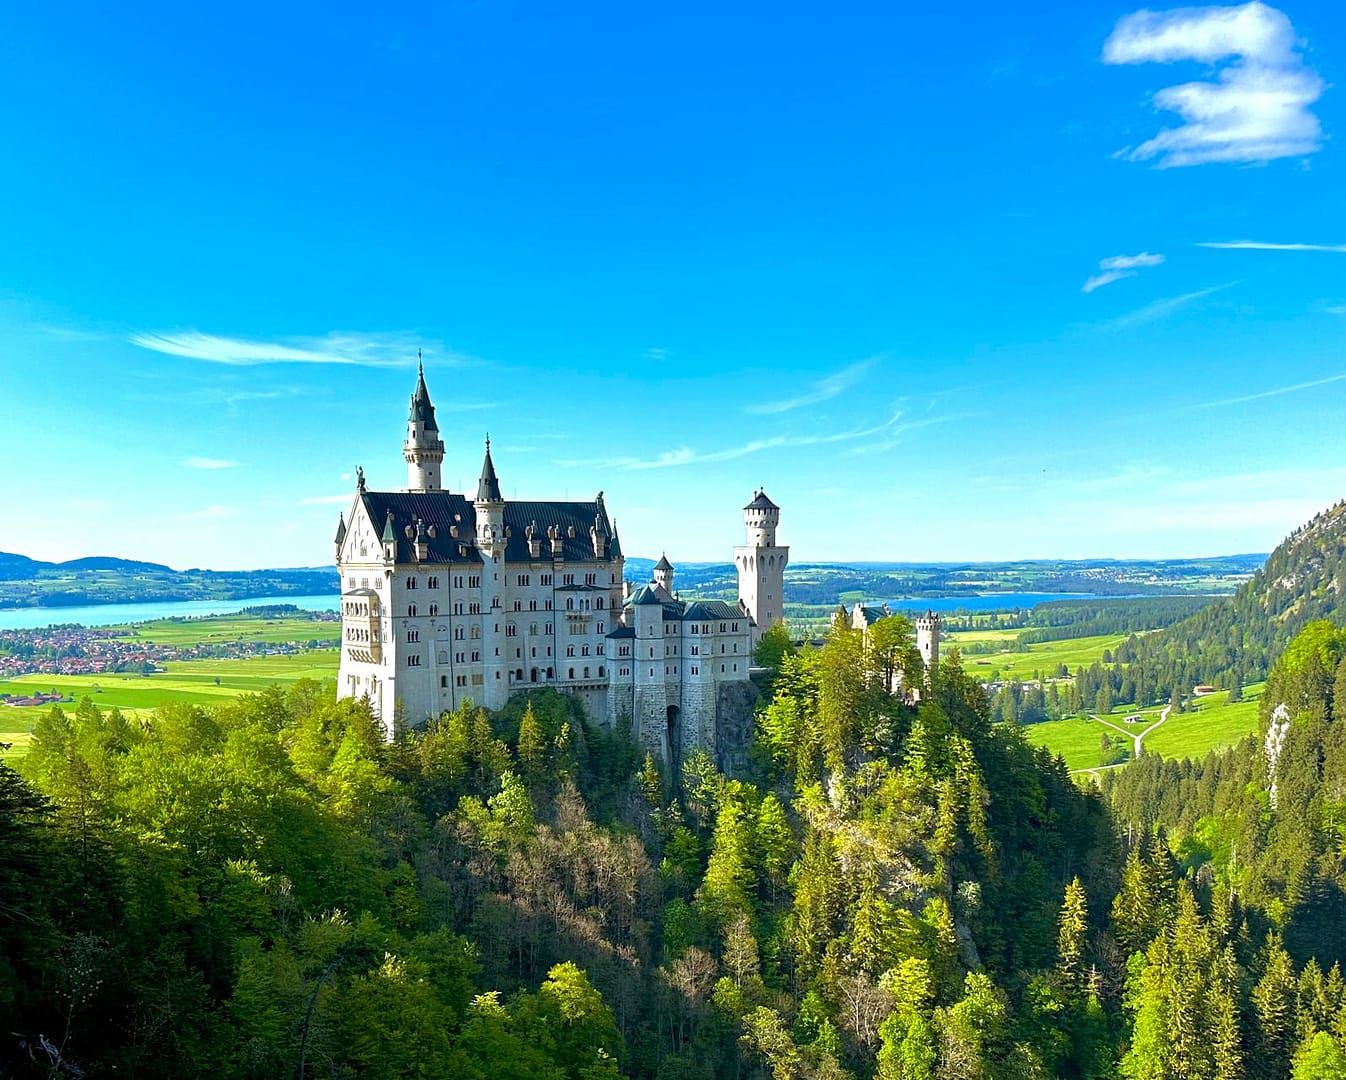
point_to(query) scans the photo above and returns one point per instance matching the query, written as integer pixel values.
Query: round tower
(927, 641)
(424, 449)
(761, 565)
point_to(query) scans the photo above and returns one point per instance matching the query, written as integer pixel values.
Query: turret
(340, 535)
(424, 449)
(663, 574)
(927, 641)
(761, 565)
(490, 507)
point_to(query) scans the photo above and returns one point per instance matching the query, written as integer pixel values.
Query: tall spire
(424, 450)
(488, 487)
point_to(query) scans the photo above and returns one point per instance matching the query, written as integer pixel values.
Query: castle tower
(491, 540)
(761, 565)
(424, 449)
(927, 642)
(663, 574)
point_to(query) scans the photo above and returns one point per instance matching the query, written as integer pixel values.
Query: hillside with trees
(894, 890)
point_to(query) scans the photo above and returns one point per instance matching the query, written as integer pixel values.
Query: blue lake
(986, 601)
(112, 614)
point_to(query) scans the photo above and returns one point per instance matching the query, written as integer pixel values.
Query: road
(1108, 723)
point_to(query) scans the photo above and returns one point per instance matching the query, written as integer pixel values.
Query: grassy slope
(191, 682)
(1212, 723)
(1021, 662)
(220, 629)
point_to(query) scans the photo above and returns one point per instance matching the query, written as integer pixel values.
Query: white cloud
(1116, 267)
(1258, 245)
(1256, 109)
(209, 463)
(365, 350)
(823, 390)
(655, 354)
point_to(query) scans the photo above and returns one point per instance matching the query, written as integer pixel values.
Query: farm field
(225, 629)
(1209, 723)
(1019, 662)
(193, 682)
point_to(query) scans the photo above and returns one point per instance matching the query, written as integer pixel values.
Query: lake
(987, 601)
(114, 614)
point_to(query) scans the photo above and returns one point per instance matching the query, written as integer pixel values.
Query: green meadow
(1210, 723)
(193, 682)
(1021, 661)
(225, 629)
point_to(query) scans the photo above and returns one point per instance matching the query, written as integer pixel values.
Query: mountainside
(1239, 637)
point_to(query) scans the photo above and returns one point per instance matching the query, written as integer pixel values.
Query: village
(82, 650)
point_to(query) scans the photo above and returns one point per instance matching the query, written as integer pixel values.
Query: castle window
(413, 661)
(457, 633)
(474, 608)
(411, 583)
(474, 582)
(651, 652)
(413, 635)
(586, 673)
(549, 628)
(721, 669)
(432, 583)
(601, 673)
(568, 579)
(458, 658)
(722, 628)
(599, 603)
(518, 654)
(693, 669)
(546, 580)
(547, 604)
(600, 628)
(651, 673)
(570, 603)
(570, 650)
(572, 673)
(599, 649)
(443, 657)
(584, 650)
(443, 682)
(476, 656)
(518, 605)
(350, 583)
(735, 667)
(511, 630)
(695, 650)
(523, 579)
(591, 579)
(736, 624)
(411, 610)
(476, 632)
(434, 609)
(461, 680)
(549, 673)
(518, 674)
(532, 629)
(532, 605)
(458, 581)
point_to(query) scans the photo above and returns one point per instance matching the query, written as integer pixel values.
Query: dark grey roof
(341, 529)
(623, 631)
(643, 595)
(442, 510)
(663, 563)
(488, 487)
(761, 502)
(421, 409)
(687, 611)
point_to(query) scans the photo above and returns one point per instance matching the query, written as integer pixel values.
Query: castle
(447, 599)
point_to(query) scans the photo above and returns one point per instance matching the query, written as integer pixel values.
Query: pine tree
(532, 746)
(1074, 925)
(1273, 1000)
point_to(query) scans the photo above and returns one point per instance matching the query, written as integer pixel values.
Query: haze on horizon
(969, 284)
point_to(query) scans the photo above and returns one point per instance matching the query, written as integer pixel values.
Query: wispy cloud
(1116, 267)
(1276, 391)
(364, 350)
(209, 463)
(655, 354)
(1157, 309)
(877, 437)
(823, 390)
(1259, 245)
(1256, 109)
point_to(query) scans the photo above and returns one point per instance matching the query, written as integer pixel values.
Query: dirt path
(1137, 738)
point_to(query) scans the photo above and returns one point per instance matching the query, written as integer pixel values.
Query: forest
(894, 889)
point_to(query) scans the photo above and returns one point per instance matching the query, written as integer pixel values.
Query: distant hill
(103, 579)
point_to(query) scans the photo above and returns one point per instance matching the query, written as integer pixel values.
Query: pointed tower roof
(389, 533)
(761, 502)
(341, 529)
(488, 487)
(663, 563)
(421, 409)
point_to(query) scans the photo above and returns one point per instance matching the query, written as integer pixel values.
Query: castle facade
(447, 599)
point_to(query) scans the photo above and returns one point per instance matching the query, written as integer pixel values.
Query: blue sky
(949, 284)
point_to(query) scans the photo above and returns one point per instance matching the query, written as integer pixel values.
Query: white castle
(447, 599)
